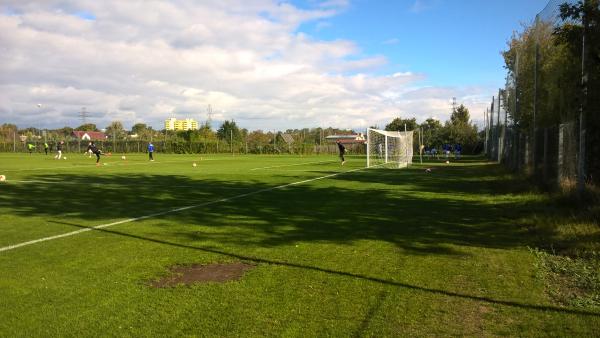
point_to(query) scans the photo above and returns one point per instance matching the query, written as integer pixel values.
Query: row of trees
(554, 75)
(459, 129)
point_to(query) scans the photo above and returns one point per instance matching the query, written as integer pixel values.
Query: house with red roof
(89, 135)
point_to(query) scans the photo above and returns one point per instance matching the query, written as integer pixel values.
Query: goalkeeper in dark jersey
(92, 147)
(342, 150)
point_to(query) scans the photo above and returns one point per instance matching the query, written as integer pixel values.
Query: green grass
(376, 252)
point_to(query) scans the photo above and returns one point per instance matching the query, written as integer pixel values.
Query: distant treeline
(229, 138)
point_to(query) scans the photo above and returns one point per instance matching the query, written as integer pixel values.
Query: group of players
(92, 148)
(446, 150)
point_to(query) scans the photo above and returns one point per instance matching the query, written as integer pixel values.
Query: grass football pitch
(334, 250)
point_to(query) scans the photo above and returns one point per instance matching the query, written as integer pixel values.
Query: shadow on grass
(364, 325)
(391, 206)
(397, 212)
(392, 211)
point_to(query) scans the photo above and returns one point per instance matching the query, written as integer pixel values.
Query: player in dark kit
(92, 147)
(342, 151)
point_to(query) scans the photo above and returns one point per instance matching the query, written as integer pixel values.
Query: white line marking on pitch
(118, 163)
(291, 165)
(72, 233)
(120, 184)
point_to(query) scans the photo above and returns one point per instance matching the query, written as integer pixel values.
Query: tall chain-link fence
(185, 147)
(545, 122)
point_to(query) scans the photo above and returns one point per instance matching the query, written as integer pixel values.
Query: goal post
(389, 148)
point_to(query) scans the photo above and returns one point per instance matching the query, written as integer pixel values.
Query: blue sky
(452, 42)
(267, 64)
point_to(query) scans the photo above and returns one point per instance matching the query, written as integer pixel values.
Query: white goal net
(389, 148)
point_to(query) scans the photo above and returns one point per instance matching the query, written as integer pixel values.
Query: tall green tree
(7, 130)
(87, 127)
(139, 128)
(433, 132)
(459, 129)
(143, 131)
(398, 123)
(115, 130)
(228, 131)
(460, 115)
(571, 36)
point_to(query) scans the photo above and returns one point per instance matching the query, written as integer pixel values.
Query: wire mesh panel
(543, 122)
(567, 154)
(393, 149)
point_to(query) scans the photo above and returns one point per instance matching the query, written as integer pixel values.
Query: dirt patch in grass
(189, 274)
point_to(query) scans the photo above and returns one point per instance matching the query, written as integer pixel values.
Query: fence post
(584, 77)
(545, 156)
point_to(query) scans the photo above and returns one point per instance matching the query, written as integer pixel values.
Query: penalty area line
(129, 220)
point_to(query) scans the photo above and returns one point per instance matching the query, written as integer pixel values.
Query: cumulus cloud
(146, 61)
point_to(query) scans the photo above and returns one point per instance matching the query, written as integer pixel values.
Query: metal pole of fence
(492, 133)
(545, 154)
(485, 126)
(535, 98)
(499, 158)
(406, 148)
(516, 129)
(584, 77)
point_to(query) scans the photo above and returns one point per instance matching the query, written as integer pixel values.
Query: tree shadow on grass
(324, 212)
(276, 216)
(393, 283)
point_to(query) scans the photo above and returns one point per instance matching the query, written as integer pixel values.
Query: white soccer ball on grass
(123, 157)
(2, 178)
(65, 157)
(193, 165)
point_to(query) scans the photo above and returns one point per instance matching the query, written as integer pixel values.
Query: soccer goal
(389, 148)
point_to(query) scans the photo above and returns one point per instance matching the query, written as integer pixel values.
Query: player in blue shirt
(457, 151)
(151, 151)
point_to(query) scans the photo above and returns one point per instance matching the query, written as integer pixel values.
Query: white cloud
(145, 61)
(423, 5)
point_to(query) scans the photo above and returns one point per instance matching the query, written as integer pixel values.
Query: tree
(460, 115)
(398, 123)
(139, 128)
(115, 130)
(570, 35)
(257, 140)
(228, 131)
(433, 132)
(64, 132)
(7, 130)
(460, 130)
(143, 131)
(87, 127)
